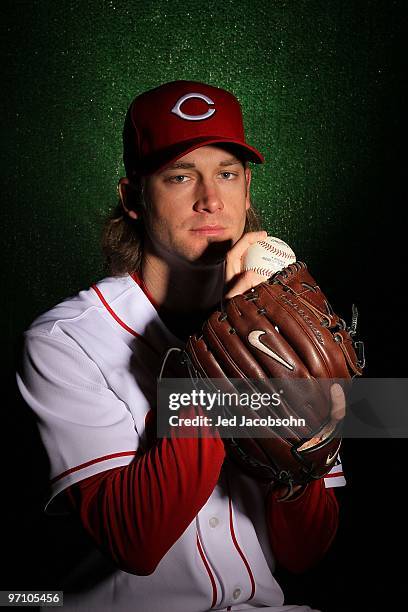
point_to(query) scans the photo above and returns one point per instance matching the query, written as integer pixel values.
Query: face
(197, 206)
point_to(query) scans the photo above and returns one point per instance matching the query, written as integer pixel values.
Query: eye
(179, 178)
(228, 175)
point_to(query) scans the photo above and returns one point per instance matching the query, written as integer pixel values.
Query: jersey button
(236, 593)
(213, 521)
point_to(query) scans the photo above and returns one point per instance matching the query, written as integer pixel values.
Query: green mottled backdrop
(314, 79)
(321, 83)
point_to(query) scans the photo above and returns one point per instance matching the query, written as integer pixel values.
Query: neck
(185, 294)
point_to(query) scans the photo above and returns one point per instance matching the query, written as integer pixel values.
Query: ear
(248, 176)
(128, 200)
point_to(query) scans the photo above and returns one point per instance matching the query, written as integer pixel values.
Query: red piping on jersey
(118, 320)
(234, 539)
(334, 475)
(92, 462)
(209, 572)
(139, 281)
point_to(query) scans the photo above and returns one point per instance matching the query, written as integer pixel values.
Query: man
(179, 527)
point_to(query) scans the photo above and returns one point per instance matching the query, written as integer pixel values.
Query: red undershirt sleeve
(137, 512)
(301, 530)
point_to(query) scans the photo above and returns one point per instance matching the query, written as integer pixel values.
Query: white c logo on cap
(177, 107)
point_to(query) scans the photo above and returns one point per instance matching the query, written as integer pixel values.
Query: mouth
(209, 230)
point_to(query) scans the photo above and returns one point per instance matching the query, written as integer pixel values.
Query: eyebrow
(185, 165)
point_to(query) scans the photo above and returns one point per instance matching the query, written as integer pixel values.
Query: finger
(245, 241)
(338, 410)
(234, 256)
(245, 280)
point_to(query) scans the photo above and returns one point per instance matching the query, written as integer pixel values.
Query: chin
(214, 253)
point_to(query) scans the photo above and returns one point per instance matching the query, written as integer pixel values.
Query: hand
(337, 413)
(237, 281)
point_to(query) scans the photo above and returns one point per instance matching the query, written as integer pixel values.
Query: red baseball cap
(165, 123)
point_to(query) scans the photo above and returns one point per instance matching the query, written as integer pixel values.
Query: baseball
(267, 257)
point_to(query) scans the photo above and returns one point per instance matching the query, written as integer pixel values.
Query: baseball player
(175, 525)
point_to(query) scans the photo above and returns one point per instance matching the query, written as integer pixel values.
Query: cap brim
(164, 158)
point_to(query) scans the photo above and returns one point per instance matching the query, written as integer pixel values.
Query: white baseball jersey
(89, 373)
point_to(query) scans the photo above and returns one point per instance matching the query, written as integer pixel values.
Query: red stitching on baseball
(273, 249)
(262, 271)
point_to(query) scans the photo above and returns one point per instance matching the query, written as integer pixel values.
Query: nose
(207, 198)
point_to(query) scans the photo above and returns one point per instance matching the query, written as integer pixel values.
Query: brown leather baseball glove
(270, 337)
